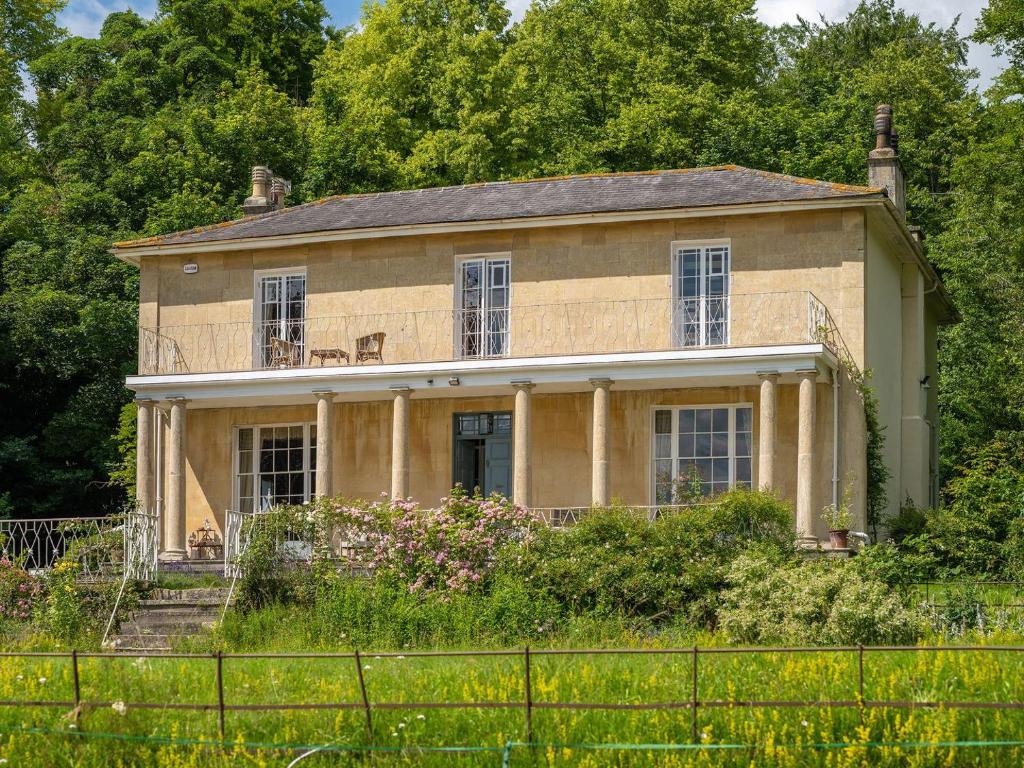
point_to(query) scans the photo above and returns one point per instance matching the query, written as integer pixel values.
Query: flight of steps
(169, 615)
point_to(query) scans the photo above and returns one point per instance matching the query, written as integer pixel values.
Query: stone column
(522, 480)
(599, 475)
(767, 430)
(174, 524)
(400, 443)
(805, 459)
(144, 465)
(324, 443)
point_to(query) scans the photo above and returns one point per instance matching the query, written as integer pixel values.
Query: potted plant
(838, 519)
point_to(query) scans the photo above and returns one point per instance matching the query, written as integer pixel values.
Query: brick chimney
(884, 167)
(268, 192)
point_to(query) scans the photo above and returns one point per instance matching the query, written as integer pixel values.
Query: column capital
(178, 400)
(401, 390)
(768, 375)
(808, 373)
(600, 383)
(321, 394)
(524, 384)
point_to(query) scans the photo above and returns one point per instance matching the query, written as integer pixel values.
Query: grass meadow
(787, 735)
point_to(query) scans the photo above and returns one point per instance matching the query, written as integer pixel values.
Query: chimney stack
(268, 192)
(884, 167)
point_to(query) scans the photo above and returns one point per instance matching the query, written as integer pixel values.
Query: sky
(84, 17)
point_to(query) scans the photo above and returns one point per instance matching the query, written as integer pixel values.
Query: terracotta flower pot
(839, 539)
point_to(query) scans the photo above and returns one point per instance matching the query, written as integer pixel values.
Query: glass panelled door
(482, 308)
(280, 320)
(700, 289)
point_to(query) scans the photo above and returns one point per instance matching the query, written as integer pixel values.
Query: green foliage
(20, 592)
(817, 602)
(978, 533)
(616, 562)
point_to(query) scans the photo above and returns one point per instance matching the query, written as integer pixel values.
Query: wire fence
(223, 701)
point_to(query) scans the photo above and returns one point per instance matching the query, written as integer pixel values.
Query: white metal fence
(102, 546)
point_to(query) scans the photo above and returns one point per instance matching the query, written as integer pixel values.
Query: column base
(172, 555)
(808, 542)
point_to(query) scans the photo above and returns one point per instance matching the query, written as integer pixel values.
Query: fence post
(77, 685)
(366, 699)
(693, 699)
(529, 695)
(220, 694)
(860, 680)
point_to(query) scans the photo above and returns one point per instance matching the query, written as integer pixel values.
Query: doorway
(482, 459)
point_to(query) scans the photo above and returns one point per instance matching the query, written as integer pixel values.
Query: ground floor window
(714, 442)
(274, 465)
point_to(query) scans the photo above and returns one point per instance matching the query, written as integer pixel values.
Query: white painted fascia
(132, 254)
(475, 375)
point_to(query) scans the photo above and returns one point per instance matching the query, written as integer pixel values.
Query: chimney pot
(883, 126)
(885, 171)
(268, 192)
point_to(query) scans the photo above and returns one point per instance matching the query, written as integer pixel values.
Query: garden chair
(284, 354)
(370, 347)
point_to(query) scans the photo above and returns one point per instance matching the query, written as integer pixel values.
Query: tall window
(713, 444)
(482, 307)
(280, 319)
(275, 465)
(700, 292)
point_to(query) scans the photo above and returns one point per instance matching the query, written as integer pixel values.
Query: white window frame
(675, 409)
(257, 307)
(307, 455)
(702, 245)
(457, 334)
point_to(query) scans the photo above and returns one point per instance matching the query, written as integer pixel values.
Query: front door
(482, 460)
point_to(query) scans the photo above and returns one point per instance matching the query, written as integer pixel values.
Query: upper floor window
(280, 317)
(482, 298)
(700, 293)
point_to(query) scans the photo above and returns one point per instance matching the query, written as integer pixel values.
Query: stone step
(195, 594)
(180, 605)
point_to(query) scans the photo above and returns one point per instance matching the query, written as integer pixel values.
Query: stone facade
(841, 255)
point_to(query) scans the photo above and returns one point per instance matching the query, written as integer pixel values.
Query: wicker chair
(284, 354)
(370, 347)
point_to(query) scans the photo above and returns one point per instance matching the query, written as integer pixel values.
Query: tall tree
(408, 100)
(597, 85)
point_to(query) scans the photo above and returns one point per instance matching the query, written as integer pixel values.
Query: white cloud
(85, 17)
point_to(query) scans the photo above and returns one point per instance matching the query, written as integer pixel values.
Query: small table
(332, 353)
(205, 543)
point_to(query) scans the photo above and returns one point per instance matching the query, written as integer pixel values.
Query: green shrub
(963, 610)
(616, 562)
(817, 602)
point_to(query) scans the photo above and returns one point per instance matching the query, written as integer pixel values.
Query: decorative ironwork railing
(102, 546)
(588, 327)
(37, 544)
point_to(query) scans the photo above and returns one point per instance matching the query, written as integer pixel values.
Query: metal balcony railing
(570, 328)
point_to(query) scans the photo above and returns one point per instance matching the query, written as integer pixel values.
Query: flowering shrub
(816, 602)
(450, 547)
(19, 591)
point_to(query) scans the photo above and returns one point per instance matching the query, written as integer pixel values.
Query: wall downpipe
(835, 436)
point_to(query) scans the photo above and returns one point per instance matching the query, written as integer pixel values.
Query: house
(565, 341)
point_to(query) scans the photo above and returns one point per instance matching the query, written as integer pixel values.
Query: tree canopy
(154, 125)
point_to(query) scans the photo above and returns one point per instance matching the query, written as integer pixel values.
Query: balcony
(442, 335)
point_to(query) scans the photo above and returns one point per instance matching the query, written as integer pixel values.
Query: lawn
(785, 733)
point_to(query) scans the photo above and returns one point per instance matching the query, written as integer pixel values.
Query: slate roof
(560, 196)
